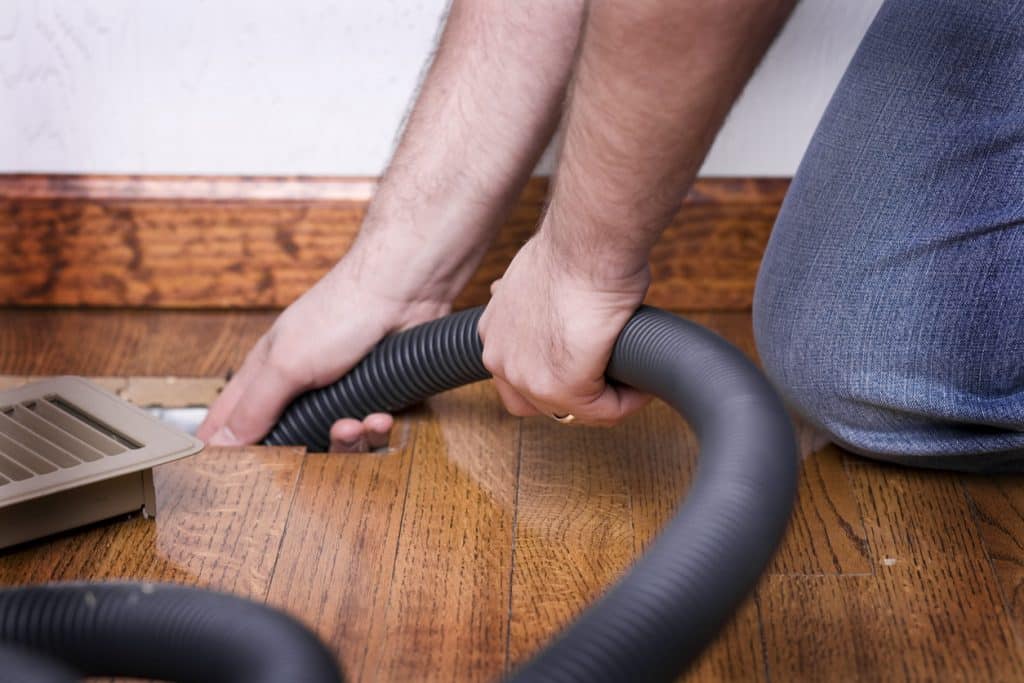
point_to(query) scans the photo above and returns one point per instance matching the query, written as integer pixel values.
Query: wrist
(594, 258)
(406, 264)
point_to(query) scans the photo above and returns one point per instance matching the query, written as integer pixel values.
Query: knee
(825, 377)
(800, 359)
(890, 381)
(830, 356)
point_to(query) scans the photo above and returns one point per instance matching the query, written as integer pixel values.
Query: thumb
(615, 402)
(251, 403)
(261, 402)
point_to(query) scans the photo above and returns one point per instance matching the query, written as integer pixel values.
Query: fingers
(612, 404)
(528, 386)
(264, 398)
(378, 429)
(230, 396)
(514, 402)
(252, 401)
(353, 436)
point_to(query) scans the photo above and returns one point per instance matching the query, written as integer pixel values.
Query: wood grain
(222, 518)
(998, 503)
(111, 342)
(336, 563)
(574, 534)
(180, 242)
(826, 534)
(447, 613)
(930, 611)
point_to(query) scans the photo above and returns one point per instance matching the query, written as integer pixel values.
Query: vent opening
(83, 416)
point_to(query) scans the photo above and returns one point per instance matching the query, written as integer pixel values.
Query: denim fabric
(890, 304)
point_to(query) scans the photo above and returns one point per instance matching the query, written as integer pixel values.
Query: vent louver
(72, 453)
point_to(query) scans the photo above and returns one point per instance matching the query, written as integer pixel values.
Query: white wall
(308, 86)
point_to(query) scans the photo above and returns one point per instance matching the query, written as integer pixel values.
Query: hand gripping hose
(648, 627)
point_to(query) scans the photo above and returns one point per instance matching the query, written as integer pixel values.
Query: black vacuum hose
(660, 617)
(18, 664)
(648, 627)
(162, 631)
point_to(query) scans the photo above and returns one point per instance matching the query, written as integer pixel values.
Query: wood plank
(244, 243)
(574, 532)
(826, 533)
(403, 561)
(447, 613)
(373, 544)
(221, 518)
(338, 554)
(998, 506)
(931, 611)
(164, 342)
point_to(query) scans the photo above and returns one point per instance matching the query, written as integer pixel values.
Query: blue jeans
(890, 304)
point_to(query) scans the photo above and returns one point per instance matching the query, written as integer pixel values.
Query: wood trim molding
(259, 242)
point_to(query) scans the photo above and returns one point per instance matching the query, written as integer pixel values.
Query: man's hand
(652, 84)
(315, 340)
(548, 334)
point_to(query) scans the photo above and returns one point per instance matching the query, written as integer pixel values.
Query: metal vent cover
(72, 453)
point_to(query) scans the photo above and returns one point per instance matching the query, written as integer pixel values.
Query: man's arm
(487, 107)
(654, 82)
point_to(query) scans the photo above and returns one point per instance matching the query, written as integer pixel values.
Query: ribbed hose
(648, 627)
(161, 631)
(656, 620)
(402, 370)
(18, 665)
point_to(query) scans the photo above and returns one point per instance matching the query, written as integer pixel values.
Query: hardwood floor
(459, 553)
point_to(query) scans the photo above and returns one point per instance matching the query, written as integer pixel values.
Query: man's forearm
(486, 110)
(654, 82)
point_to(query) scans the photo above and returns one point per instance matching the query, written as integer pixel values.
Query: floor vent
(72, 453)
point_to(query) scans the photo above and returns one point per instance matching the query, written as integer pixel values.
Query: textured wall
(307, 87)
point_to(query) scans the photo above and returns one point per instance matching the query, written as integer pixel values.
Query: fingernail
(224, 437)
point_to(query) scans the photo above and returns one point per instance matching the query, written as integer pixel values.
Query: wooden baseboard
(218, 242)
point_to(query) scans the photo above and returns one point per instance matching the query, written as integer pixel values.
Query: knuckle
(513, 377)
(492, 361)
(548, 390)
(288, 365)
(551, 390)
